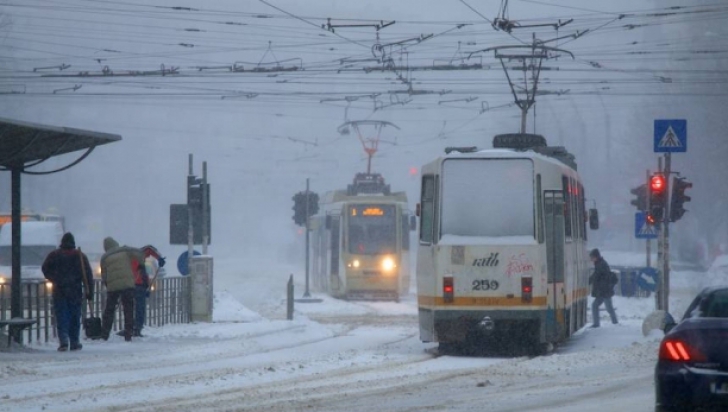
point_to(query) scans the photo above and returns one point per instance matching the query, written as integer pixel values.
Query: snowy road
(353, 356)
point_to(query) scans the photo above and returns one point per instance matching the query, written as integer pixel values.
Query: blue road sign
(671, 136)
(641, 229)
(648, 279)
(182, 264)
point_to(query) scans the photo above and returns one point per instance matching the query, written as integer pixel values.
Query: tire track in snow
(138, 379)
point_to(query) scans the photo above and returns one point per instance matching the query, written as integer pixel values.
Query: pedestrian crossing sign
(642, 230)
(671, 136)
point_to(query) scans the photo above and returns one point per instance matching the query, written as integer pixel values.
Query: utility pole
(307, 293)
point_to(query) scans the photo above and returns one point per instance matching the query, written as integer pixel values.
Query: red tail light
(678, 351)
(526, 289)
(448, 289)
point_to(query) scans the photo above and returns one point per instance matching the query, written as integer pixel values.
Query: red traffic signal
(650, 219)
(657, 183)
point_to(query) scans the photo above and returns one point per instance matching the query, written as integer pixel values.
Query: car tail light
(448, 289)
(526, 289)
(678, 351)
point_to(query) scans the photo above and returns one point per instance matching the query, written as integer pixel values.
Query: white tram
(361, 241)
(502, 248)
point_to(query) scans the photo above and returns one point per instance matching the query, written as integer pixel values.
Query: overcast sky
(264, 133)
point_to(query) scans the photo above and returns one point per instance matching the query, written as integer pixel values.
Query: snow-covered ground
(335, 355)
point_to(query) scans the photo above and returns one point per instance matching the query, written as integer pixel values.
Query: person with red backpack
(142, 284)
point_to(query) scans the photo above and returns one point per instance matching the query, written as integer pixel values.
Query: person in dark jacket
(117, 273)
(602, 282)
(63, 269)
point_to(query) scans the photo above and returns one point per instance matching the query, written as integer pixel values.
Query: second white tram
(502, 252)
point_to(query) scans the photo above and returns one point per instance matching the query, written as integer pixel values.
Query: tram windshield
(488, 197)
(372, 229)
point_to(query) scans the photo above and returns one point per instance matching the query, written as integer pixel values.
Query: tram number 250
(485, 284)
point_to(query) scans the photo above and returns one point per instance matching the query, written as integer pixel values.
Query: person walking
(63, 268)
(117, 273)
(602, 282)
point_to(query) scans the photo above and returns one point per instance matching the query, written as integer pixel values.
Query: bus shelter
(23, 146)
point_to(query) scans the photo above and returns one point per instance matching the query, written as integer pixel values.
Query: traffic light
(304, 202)
(677, 202)
(299, 209)
(658, 197)
(640, 200)
(649, 219)
(313, 203)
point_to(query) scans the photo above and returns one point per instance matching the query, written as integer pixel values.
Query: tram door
(555, 242)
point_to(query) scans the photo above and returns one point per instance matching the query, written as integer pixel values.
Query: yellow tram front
(372, 250)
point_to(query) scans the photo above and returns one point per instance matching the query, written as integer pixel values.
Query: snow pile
(228, 309)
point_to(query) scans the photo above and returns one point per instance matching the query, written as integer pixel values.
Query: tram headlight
(388, 264)
(355, 264)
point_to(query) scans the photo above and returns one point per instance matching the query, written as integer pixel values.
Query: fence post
(289, 313)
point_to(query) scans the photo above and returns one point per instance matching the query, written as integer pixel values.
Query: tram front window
(372, 229)
(488, 197)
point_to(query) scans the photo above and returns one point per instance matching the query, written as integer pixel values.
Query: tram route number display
(485, 284)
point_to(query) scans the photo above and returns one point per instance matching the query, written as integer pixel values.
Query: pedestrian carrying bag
(91, 324)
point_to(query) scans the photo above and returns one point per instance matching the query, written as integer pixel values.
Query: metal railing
(168, 302)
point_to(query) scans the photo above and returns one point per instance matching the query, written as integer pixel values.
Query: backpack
(613, 280)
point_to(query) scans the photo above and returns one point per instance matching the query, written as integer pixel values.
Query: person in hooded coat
(602, 282)
(63, 269)
(118, 267)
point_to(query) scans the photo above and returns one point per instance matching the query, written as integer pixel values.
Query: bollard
(289, 313)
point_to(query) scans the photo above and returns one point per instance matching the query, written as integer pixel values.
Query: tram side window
(404, 227)
(567, 206)
(427, 209)
(576, 210)
(335, 246)
(583, 215)
(539, 209)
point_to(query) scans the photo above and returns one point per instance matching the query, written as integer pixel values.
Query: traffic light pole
(659, 294)
(666, 238)
(190, 217)
(205, 211)
(307, 293)
(648, 241)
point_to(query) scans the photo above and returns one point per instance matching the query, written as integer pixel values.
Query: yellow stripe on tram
(482, 301)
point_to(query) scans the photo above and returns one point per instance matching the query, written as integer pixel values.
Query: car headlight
(2, 280)
(355, 264)
(388, 264)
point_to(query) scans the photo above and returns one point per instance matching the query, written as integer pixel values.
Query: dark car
(692, 370)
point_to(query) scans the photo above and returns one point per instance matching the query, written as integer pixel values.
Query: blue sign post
(648, 279)
(642, 230)
(182, 263)
(671, 136)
